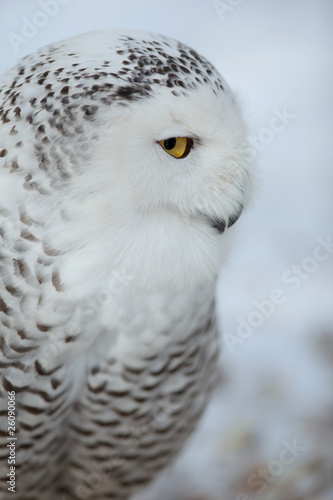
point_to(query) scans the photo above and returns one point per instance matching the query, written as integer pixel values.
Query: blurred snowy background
(268, 433)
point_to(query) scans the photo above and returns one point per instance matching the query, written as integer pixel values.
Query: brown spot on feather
(56, 281)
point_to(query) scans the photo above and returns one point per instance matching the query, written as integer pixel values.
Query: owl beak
(220, 224)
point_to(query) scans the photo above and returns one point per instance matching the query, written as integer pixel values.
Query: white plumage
(110, 247)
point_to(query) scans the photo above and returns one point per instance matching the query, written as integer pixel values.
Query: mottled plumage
(109, 251)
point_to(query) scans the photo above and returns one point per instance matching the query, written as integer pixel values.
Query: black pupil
(170, 143)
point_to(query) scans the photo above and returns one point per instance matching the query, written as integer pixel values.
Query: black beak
(221, 225)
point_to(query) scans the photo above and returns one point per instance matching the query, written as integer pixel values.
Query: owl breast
(146, 385)
(121, 393)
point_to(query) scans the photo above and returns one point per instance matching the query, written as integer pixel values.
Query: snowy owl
(124, 161)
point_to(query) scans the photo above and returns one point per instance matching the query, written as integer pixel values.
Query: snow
(276, 384)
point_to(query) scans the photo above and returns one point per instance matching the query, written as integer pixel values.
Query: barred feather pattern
(101, 426)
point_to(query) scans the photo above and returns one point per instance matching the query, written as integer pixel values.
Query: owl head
(146, 158)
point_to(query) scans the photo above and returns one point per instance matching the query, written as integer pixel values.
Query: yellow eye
(179, 147)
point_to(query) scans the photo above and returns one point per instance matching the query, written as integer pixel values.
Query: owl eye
(178, 147)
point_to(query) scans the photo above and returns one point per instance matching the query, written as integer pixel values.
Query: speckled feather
(107, 321)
